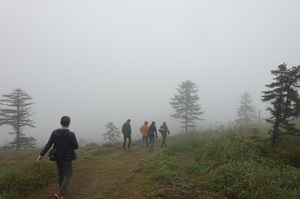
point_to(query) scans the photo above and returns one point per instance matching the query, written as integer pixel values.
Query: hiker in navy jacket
(64, 143)
(152, 133)
(126, 131)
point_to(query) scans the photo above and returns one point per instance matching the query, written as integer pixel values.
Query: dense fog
(109, 61)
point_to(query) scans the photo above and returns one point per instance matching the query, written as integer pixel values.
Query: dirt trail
(110, 176)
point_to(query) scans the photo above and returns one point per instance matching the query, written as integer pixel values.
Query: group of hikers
(149, 133)
(64, 143)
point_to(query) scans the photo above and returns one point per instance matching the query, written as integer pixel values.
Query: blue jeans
(151, 139)
(65, 171)
(129, 141)
(164, 138)
(144, 139)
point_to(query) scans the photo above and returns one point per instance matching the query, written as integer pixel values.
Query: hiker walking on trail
(144, 131)
(64, 143)
(152, 133)
(126, 131)
(163, 129)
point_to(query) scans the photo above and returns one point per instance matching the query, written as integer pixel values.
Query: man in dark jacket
(126, 131)
(64, 143)
(152, 133)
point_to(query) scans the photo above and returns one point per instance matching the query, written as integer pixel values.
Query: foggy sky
(107, 61)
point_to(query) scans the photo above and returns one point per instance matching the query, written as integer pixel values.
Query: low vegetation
(21, 176)
(232, 165)
(227, 165)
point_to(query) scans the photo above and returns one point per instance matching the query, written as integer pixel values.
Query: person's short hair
(65, 121)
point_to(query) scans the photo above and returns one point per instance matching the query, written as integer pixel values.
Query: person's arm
(47, 147)
(155, 132)
(74, 141)
(123, 128)
(39, 158)
(141, 129)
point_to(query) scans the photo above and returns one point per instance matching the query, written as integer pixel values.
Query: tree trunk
(275, 134)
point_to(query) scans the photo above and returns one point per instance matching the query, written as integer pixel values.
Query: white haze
(107, 61)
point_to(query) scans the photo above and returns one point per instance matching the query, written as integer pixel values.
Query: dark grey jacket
(126, 129)
(152, 130)
(65, 139)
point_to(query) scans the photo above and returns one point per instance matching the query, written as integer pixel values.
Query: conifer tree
(185, 105)
(112, 134)
(246, 113)
(15, 111)
(284, 99)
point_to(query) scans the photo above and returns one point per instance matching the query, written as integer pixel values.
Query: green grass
(24, 179)
(232, 165)
(21, 176)
(228, 165)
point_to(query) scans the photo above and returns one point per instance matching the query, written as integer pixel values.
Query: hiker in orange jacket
(144, 132)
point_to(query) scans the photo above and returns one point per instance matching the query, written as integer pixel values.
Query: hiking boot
(57, 195)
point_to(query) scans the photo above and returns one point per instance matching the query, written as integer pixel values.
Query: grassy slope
(105, 173)
(227, 166)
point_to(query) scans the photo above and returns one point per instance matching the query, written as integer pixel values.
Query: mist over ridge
(101, 62)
